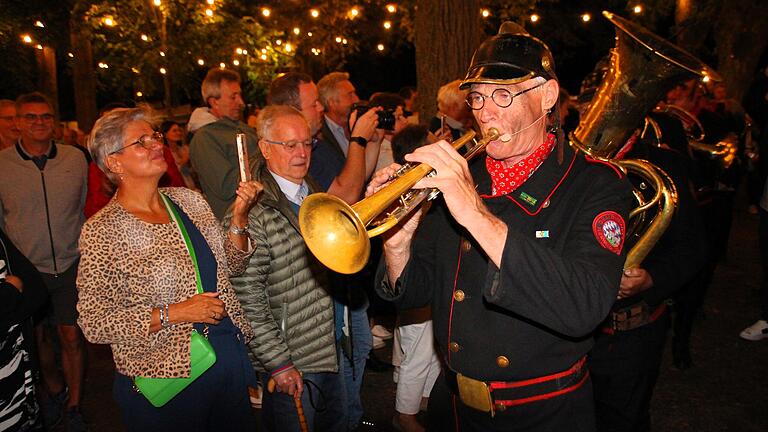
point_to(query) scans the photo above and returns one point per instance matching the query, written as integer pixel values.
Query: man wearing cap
(520, 258)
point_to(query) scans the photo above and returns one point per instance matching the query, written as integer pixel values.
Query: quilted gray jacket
(284, 291)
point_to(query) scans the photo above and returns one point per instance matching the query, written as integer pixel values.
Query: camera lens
(386, 120)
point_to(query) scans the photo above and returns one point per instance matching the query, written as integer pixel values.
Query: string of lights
(292, 41)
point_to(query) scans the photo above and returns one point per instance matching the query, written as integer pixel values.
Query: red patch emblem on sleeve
(609, 231)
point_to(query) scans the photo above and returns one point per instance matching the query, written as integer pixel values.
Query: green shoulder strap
(190, 248)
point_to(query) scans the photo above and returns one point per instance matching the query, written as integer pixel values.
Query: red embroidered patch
(609, 230)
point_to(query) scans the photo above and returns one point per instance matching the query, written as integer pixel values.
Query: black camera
(386, 115)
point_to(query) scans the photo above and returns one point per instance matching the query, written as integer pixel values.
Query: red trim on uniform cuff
(281, 369)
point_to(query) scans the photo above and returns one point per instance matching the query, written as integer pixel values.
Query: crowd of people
(514, 309)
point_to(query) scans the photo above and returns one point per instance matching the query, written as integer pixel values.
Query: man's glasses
(292, 145)
(145, 141)
(31, 118)
(501, 97)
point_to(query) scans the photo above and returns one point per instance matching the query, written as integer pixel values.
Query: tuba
(724, 150)
(643, 67)
(339, 234)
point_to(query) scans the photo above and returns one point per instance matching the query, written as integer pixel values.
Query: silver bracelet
(238, 231)
(164, 316)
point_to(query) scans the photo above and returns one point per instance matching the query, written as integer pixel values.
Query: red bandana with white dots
(506, 179)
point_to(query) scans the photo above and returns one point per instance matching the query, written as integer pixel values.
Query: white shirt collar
(290, 189)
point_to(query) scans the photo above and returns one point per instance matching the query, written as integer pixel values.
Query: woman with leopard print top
(138, 290)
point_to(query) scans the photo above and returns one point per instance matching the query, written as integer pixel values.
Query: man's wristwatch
(360, 140)
(238, 231)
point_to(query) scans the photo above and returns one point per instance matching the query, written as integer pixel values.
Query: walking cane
(296, 400)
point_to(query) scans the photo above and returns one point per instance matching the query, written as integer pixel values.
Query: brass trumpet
(339, 234)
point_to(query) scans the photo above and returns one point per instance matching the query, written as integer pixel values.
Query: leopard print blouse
(128, 267)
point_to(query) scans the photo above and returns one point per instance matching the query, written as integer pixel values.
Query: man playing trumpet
(520, 259)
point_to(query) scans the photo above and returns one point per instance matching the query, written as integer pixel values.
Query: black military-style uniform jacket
(532, 317)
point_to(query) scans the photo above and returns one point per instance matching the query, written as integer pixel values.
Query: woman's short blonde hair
(106, 137)
(450, 96)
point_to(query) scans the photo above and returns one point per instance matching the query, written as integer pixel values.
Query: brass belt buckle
(475, 394)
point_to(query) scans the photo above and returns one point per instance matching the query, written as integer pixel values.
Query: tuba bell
(643, 67)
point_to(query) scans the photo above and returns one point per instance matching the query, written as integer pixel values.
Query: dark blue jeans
(322, 402)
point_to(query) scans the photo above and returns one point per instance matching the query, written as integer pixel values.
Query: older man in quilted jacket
(285, 291)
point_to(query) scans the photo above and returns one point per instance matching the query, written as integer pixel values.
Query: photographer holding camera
(390, 120)
(344, 132)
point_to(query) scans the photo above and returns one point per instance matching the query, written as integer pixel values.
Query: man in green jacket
(213, 150)
(285, 291)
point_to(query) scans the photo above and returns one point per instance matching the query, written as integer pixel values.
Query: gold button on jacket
(458, 295)
(454, 347)
(502, 361)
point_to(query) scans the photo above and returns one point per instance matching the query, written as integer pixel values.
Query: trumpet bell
(333, 230)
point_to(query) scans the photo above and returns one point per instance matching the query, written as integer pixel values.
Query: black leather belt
(632, 317)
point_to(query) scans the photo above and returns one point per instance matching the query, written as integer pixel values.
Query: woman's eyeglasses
(145, 141)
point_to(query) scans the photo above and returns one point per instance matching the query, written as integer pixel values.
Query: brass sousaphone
(643, 67)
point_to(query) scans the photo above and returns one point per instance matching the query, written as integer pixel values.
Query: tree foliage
(175, 37)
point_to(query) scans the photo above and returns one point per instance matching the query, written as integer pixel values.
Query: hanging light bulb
(266, 12)
(485, 13)
(163, 71)
(586, 17)
(296, 31)
(39, 24)
(314, 13)
(26, 38)
(380, 47)
(637, 9)
(236, 62)
(387, 25)
(534, 18)
(201, 62)
(391, 8)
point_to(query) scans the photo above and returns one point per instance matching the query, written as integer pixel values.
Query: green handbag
(202, 356)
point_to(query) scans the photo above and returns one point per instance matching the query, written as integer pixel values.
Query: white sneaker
(756, 331)
(381, 332)
(378, 342)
